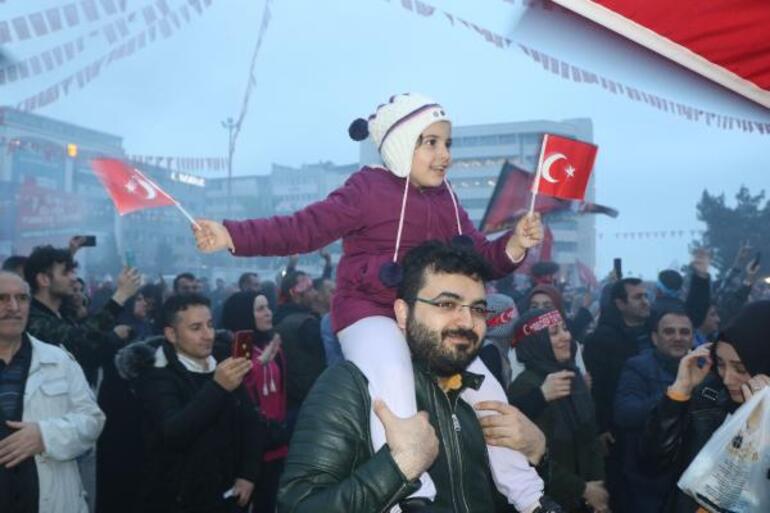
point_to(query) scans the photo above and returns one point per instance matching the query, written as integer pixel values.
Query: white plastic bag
(731, 474)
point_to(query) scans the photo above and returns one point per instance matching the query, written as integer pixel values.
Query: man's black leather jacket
(331, 467)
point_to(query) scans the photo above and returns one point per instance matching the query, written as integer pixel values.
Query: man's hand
(752, 271)
(211, 236)
(693, 369)
(754, 385)
(76, 243)
(412, 441)
(701, 261)
(557, 385)
(741, 255)
(242, 490)
(606, 440)
(23, 444)
(123, 331)
(129, 282)
(527, 234)
(230, 372)
(597, 497)
(511, 429)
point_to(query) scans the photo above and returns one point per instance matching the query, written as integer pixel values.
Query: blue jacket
(643, 382)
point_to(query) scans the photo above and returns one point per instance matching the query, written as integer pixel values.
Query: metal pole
(229, 124)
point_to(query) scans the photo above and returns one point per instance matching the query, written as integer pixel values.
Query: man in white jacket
(48, 415)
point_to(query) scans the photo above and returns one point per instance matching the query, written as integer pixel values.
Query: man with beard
(50, 273)
(331, 465)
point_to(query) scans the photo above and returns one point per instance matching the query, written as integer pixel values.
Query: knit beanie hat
(670, 283)
(749, 334)
(396, 126)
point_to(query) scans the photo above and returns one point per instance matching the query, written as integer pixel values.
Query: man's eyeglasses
(447, 306)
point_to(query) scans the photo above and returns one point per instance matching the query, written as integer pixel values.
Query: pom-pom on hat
(396, 126)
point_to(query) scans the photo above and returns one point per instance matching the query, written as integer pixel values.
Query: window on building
(565, 246)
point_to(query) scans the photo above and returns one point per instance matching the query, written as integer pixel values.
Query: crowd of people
(421, 379)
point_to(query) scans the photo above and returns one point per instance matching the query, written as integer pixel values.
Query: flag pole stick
(187, 215)
(536, 185)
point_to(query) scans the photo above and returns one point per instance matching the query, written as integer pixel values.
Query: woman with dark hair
(249, 311)
(712, 382)
(545, 347)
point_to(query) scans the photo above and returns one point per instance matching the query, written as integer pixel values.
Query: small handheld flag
(130, 189)
(564, 168)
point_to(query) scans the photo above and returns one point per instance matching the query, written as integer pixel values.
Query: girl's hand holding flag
(528, 234)
(211, 236)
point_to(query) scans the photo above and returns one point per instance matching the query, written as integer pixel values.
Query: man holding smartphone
(203, 437)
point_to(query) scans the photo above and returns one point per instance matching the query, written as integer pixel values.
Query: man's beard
(428, 347)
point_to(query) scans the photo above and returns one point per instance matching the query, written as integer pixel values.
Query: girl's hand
(212, 236)
(527, 234)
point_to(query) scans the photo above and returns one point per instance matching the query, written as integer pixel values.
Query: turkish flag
(129, 189)
(565, 167)
(724, 40)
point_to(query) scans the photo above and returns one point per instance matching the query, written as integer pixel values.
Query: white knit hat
(396, 126)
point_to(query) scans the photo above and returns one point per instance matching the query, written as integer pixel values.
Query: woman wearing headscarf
(712, 382)
(249, 311)
(545, 347)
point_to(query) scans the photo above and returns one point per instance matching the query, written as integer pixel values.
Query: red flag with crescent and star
(565, 167)
(128, 187)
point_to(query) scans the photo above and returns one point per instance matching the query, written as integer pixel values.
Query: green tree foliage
(727, 227)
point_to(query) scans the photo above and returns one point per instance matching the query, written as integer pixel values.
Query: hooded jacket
(364, 213)
(199, 437)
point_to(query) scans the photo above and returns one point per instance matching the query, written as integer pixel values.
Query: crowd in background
(157, 415)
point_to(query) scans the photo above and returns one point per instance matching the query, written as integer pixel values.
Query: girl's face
(731, 370)
(561, 342)
(263, 316)
(431, 158)
(140, 307)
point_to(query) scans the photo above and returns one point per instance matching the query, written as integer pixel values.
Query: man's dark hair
(668, 310)
(180, 303)
(42, 260)
(182, 276)
(12, 263)
(244, 278)
(288, 282)
(618, 290)
(438, 257)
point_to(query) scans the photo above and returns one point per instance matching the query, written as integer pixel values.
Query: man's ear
(170, 334)
(43, 280)
(401, 309)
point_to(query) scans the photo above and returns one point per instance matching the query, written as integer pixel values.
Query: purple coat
(364, 212)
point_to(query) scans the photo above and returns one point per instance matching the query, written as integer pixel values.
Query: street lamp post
(230, 125)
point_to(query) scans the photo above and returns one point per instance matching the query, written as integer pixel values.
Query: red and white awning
(727, 41)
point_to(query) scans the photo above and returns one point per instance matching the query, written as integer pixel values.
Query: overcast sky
(323, 63)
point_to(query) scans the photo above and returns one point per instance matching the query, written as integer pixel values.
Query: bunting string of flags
(568, 71)
(52, 152)
(657, 234)
(183, 163)
(52, 20)
(159, 27)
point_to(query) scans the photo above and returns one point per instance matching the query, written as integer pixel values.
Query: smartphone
(130, 259)
(617, 265)
(89, 241)
(242, 345)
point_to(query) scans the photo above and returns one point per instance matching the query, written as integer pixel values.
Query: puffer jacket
(676, 431)
(331, 466)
